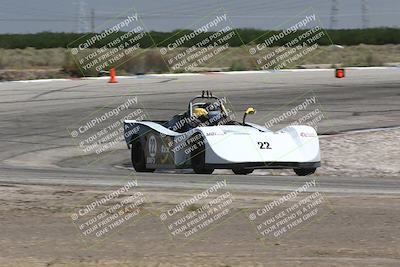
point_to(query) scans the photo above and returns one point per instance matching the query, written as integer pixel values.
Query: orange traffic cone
(339, 73)
(112, 76)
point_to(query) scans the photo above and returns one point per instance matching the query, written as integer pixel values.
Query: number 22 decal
(264, 145)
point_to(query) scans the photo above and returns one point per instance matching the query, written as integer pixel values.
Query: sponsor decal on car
(303, 134)
(152, 146)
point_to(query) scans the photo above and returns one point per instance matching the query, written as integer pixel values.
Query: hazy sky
(29, 16)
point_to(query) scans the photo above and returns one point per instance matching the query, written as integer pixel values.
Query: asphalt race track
(47, 179)
(35, 147)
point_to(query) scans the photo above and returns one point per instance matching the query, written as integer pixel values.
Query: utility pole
(82, 17)
(364, 14)
(334, 12)
(92, 20)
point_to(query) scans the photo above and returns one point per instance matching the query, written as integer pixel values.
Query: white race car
(206, 137)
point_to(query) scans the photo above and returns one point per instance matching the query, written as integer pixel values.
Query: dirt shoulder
(37, 230)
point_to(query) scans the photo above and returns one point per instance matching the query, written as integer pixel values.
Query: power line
(83, 25)
(164, 16)
(92, 20)
(334, 12)
(364, 14)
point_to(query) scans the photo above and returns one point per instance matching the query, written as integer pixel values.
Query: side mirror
(249, 110)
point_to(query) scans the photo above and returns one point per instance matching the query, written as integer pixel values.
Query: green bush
(376, 36)
(238, 66)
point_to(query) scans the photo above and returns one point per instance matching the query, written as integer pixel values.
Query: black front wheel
(304, 172)
(198, 158)
(138, 158)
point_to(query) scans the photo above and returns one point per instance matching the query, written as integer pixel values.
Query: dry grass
(150, 61)
(32, 58)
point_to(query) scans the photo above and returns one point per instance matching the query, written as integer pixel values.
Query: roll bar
(204, 95)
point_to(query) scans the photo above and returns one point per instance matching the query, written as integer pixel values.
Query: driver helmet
(198, 112)
(214, 114)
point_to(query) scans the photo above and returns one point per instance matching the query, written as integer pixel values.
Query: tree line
(373, 36)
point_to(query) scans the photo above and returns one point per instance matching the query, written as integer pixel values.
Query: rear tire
(138, 158)
(305, 172)
(242, 171)
(198, 158)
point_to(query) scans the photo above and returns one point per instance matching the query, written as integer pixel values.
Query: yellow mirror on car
(250, 110)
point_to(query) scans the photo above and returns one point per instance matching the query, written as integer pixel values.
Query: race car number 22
(264, 145)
